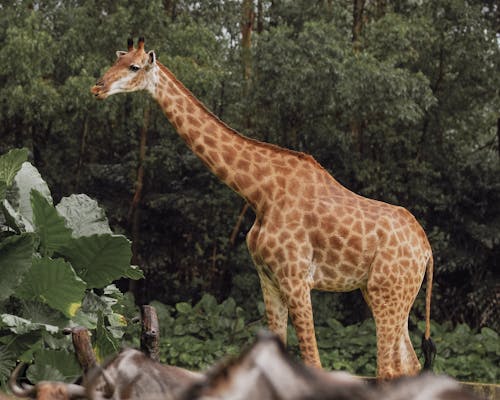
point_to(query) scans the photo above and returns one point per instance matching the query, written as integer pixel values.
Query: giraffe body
(310, 232)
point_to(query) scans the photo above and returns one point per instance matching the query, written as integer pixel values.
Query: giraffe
(310, 232)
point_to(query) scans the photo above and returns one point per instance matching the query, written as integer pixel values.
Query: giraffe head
(133, 70)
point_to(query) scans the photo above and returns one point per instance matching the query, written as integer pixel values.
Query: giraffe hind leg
(390, 299)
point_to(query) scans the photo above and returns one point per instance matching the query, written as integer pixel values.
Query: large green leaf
(83, 215)
(55, 365)
(53, 281)
(99, 259)
(44, 372)
(11, 163)
(15, 259)
(21, 326)
(7, 363)
(49, 225)
(19, 195)
(37, 311)
(13, 219)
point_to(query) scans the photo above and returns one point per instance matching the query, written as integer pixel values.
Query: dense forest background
(399, 100)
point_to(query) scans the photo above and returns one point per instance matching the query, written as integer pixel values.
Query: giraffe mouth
(98, 91)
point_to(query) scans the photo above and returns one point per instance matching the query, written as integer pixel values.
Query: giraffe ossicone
(310, 231)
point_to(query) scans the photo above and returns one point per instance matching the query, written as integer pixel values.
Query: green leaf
(86, 319)
(49, 225)
(55, 365)
(54, 282)
(43, 372)
(99, 259)
(13, 219)
(7, 363)
(38, 312)
(133, 272)
(116, 319)
(208, 303)
(15, 259)
(179, 330)
(105, 344)
(488, 333)
(183, 307)
(83, 215)
(19, 195)
(20, 325)
(11, 163)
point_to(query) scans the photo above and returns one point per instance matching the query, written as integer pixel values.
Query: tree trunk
(498, 136)
(246, 27)
(133, 214)
(356, 126)
(260, 16)
(170, 8)
(83, 141)
(357, 25)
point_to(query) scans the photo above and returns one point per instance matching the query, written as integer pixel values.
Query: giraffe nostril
(97, 89)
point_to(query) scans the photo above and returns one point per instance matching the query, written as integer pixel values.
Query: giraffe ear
(120, 53)
(152, 57)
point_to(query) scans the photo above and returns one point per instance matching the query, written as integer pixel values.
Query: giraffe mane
(273, 147)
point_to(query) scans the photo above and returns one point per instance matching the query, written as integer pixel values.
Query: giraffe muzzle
(98, 90)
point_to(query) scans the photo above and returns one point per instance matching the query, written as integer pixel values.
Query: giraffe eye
(134, 68)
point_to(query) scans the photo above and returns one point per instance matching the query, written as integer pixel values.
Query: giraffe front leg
(276, 307)
(301, 314)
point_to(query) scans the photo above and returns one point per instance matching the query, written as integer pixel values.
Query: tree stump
(150, 333)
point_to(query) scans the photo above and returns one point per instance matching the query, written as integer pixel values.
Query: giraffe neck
(259, 172)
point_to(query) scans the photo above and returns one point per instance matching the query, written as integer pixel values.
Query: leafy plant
(194, 336)
(57, 264)
(197, 336)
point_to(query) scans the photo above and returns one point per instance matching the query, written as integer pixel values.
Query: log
(488, 391)
(83, 347)
(150, 333)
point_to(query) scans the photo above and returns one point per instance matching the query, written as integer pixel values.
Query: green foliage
(197, 336)
(15, 260)
(461, 347)
(44, 259)
(50, 226)
(194, 336)
(53, 281)
(99, 259)
(56, 365)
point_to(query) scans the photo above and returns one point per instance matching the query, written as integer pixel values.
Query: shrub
(196, 336)
(57, 265)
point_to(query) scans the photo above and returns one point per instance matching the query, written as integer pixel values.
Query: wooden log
(150, 333)
(487, 391)
(490, 391)
(83, 347)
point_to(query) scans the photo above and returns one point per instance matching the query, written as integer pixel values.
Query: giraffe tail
(428, 346)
